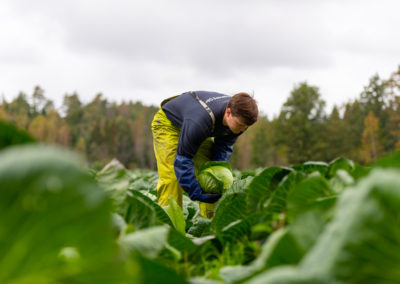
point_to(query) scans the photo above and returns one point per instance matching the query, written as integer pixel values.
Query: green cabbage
(215, 176)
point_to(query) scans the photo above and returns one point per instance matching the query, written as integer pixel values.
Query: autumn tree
(38, 128)
(3, 110)
(19, 111)
(371, 145)
(375, 98)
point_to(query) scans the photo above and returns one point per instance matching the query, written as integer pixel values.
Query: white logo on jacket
(214, 99)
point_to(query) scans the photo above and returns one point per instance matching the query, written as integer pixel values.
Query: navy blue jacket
(195, 125)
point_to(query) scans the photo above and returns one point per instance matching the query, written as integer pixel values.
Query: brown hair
(244, 106)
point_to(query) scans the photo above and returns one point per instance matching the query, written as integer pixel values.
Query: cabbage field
(316, 222)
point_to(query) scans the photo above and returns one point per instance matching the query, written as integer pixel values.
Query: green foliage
(314, 222)
(115, 180)
(392, 161)
(142, 212)
(199, 225)
(309, 167)
(281, 248)
(262, 186)
(366, 214)
(277, 202)
(176, 215)
(54, 218)
(148, 242)
(153, 272)
(11, 135)
(310, 192)
(340, 164)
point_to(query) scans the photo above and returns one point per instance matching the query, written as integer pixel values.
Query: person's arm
(190, 138)
(184, 171)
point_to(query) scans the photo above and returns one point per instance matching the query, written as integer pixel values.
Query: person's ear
(228, 111)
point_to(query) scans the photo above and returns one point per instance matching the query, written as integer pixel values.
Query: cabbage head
(215, 176)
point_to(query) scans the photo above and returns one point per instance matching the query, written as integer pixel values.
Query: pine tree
(300, 123)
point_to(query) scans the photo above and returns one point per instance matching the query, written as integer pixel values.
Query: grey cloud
(213, 38)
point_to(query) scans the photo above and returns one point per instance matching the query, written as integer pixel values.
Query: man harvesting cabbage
(191, 129)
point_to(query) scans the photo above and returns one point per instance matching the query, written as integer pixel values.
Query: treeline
(362, 129)
(100, 130)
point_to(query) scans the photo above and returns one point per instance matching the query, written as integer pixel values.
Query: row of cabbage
(310, 223)
(316, 222)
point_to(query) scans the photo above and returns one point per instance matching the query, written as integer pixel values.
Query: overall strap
(167, 100)
(205, 106)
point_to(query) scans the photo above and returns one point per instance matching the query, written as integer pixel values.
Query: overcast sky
(150, 50)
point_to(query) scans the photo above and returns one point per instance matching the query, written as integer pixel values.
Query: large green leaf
(175, 214)
(262, 186)
(143, 180)
(231, 219)
(309, 224)
(363, 239)
(143, 212)
(115, 181)
(281, 248)
(360, 172)
(148, 242)
(140, 212)
(308, 193)
(190, 210)
(202, 280)
(360, 244)
(180, 242)
(313, 166)
(11, 135)
(340, 181)
(392, 161)
(153, 272)
(231, 207)
(238, 186)
(55, 221)
(237, 229)
(118, 224)
(200, 224)
(151, 242)
(284, 274)
(277, 202)
(291, 242)
(340, 164)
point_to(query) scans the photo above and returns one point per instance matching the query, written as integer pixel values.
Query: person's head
(241, 112)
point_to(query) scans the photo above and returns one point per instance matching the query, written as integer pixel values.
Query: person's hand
(210, 198)
(198, 195)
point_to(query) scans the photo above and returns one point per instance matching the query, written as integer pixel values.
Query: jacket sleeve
(184, 171)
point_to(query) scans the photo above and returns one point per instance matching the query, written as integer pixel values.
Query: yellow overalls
(165, 141)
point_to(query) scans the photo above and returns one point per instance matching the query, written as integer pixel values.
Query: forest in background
(362, 129)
